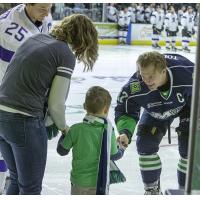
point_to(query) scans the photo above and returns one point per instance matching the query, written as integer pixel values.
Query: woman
(40, 69)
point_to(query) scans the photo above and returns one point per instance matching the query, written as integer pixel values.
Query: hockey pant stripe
(149, 162)
(181, 171)
(182, 165)
(150, 167)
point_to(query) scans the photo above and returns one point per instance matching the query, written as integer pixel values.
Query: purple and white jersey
(15, 28)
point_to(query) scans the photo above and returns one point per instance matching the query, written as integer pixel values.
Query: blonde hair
(152, 58)
(96, 99)
(80, 33)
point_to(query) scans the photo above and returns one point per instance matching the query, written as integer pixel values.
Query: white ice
(112, 70)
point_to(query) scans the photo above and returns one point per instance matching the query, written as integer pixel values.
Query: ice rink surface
(112, 70)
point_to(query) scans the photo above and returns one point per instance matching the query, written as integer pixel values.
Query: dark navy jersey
(135, 94)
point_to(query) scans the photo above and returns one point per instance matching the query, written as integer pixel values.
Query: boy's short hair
(96, 99)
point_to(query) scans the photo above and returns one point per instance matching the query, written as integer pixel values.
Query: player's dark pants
(23, 144)
(150, 133)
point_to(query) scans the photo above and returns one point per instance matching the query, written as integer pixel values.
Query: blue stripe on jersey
(4, 15)
(6, 54)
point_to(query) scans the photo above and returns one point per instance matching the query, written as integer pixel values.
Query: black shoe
(122, 43)
(174, 49)
(156, 46)
(186, 49)
(168, 48)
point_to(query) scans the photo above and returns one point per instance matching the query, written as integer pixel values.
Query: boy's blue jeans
(23, 144)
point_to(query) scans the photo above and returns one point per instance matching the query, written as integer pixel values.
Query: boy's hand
(123, 140)
(120, 146)
(65, 131)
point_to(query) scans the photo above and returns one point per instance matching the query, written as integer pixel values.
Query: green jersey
(85, 139)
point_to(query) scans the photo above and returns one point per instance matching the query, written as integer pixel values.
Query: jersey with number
(157, 19)
(112, 13)
(187, 21)
(15, 28)
(171, 21)
(135, 94)
(132, 11)
(124, 18)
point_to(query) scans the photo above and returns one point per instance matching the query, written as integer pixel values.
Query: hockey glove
(52, 130)
(177, 30)
(154, 27)
(193, 31)
(189, 33)
(167, 30)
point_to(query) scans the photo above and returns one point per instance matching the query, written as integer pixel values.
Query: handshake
(123, 141)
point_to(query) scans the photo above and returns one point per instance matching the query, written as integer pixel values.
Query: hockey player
(180, 14)
(187, 23)
(16, 25)
(19, 23)
(163, 87)
(140, 13)
(171, 28)
(112, 13)
(123, 23)
(157, 21)
(132, 11)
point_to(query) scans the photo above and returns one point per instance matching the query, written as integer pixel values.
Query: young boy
(93, 144)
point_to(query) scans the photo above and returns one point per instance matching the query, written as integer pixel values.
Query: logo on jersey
(180, 97)
(135, 87)
(166, 114)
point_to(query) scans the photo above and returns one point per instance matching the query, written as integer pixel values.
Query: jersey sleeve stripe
(64, 74)
(64, 71)
(5, 54)
(179, 66)
(65, 68)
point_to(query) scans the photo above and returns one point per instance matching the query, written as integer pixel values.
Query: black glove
(154, 27)
(52, 131)
(193, 31)
(167, 29)
(189, 33)
(51, 128)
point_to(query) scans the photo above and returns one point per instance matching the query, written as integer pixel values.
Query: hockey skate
(156, 46)
(168, 48)
(153, 189)
(174, 49)
(122, 42)
(186, 49)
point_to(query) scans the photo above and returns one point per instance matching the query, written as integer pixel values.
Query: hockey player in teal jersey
(163, 87)
(90, 141)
